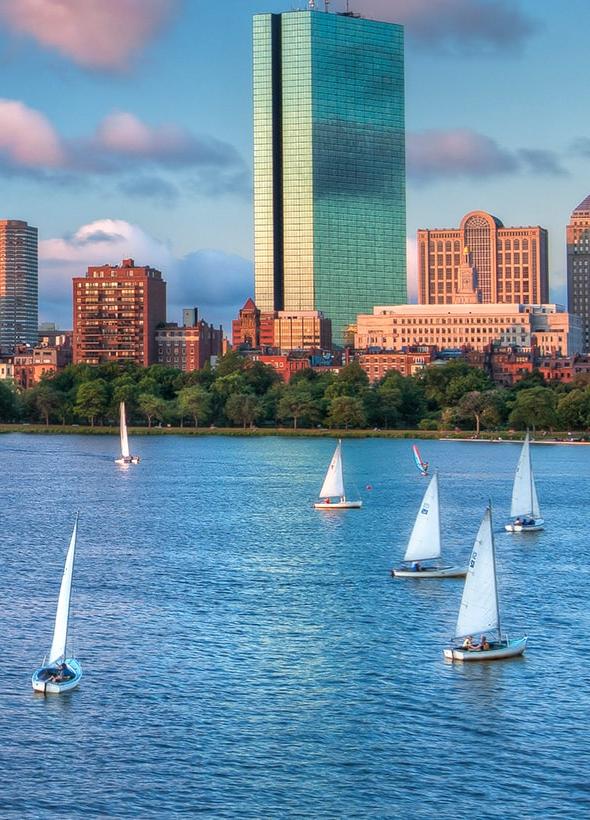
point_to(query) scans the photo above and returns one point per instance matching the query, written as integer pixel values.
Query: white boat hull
(430, 572)
(41, 679)
(536, 527)
(338, 505)
(130, 460)
(510, 649)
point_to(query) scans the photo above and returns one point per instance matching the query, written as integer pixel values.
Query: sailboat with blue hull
(59, 672)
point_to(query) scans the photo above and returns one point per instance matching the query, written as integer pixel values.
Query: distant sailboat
(479, 613)
(60, 673)
(425, 541)
(333, 486)
(421, 465)
(125, 457)
(525, 504)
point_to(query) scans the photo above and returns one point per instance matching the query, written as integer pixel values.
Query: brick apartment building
(116, 311)
(190, 346)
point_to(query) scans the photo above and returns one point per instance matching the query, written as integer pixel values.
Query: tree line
(239, 392)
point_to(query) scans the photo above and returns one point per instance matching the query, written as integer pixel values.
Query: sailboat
(525, 504)
(332, 493)
(421, 465)
(125, 457)
(479, 612)
(425, 541)
(60, 673)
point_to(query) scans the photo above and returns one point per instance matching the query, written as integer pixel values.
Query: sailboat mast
(530, 477)
(495, 570)
(70, 594)
(438, 508)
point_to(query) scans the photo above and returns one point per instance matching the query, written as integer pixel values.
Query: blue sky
(125, 129)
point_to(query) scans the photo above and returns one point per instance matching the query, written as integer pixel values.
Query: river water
(247, 656)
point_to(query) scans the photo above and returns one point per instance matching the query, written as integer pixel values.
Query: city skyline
(133, 169)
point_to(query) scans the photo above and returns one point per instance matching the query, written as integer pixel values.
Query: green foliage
(244, 393)
(92, 400)
(346, 411)
(243, 408)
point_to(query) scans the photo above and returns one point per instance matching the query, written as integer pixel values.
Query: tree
(231, 362)
(296, 403)
(7, 402)
(534, 407)
(243, 408)
(573, 410)
(46, 400)
(152, 407)
(92, 400)
(389, 401)
(195, 402)
(472, 405)
(351, 381)
(346, 411)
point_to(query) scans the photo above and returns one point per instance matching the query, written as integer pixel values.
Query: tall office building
(509, 264)
(117, 309)
(329, 164)
(19, 287)
(578, 266)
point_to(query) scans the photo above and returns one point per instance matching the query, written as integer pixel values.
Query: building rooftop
(584, 205)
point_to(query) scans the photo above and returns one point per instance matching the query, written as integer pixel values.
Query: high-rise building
(510, 264)
(116, 311)
(19, 288)
(578, 266)
(329, 164)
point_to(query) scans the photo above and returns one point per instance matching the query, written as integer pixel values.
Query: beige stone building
(475, 326)
(510, 264)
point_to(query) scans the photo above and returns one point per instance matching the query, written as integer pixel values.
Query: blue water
(247, 656)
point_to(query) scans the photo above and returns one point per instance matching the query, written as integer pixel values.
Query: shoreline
(497, 437)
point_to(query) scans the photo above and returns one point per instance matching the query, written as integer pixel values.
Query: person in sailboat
(416, 566)
(483, 644)
(468, 642)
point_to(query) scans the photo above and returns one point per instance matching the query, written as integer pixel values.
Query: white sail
(333, 485)
(424, 541)
(524, 492)
(60, 632)
(479, 612)
(124, 438)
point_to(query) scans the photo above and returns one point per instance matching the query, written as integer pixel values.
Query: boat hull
(510, 649)
(536, 527)
(432, 572)
(338, 505)
(130, 460)
(41, 682)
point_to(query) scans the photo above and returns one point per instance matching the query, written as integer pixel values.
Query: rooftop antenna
(311, 5)
(326, 5)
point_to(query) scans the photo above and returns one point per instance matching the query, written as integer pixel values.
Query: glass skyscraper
(329, 164)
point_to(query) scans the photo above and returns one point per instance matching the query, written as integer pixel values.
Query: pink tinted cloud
(460, 25)
(27, 138)
(97, 34)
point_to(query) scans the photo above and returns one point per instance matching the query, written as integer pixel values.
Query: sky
(126, 131)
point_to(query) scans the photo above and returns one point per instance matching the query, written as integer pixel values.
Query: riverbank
(446, 435)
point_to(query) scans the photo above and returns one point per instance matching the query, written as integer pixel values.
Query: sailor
(468, 642)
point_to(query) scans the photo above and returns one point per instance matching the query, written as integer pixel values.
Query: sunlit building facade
(578, 266)
(329, 164)
(510, 264)
(19, 288)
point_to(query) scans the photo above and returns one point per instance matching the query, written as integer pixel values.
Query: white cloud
(27, 138)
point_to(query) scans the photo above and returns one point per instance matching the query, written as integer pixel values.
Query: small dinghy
(60, 673)
(525, 504)
(332, 493)
(479, 612)
(425, 542)
(420, 464)
(125, 457)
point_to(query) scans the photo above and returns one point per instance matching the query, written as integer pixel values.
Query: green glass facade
(329, 164)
